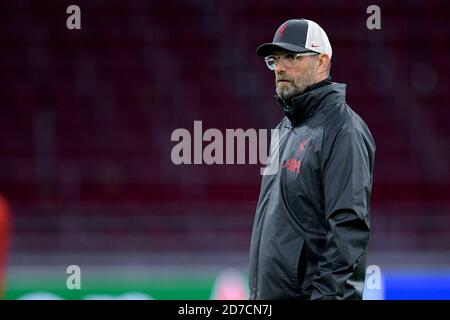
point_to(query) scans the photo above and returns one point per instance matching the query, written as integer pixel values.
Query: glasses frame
(276, 59)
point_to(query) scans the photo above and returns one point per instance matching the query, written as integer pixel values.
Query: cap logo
(313, 45)
(282, 30)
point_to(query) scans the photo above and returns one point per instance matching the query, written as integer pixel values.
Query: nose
(279, 68)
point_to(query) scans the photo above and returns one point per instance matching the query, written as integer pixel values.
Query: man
(312, 224)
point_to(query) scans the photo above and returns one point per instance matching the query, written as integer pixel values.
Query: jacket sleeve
(347, 182)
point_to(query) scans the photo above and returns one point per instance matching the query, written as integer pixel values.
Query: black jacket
(312, 223)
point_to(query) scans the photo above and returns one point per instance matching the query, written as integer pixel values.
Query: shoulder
(342, 121)
(342, 118)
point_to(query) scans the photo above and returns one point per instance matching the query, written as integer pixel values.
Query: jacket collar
(302, 106)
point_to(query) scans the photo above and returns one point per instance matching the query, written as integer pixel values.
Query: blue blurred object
(417, 285)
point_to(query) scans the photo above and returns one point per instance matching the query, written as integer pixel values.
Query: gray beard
(288, 92)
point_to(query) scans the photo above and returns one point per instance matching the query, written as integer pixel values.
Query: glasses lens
(270, 62)
(289, 60)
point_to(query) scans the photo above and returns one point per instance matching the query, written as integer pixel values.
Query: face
(293, 81)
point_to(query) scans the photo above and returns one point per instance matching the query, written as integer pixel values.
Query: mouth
(282, 81)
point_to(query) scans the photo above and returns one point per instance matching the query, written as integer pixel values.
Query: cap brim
(267, 49)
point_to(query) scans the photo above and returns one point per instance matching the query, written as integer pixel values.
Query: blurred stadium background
(86, 118)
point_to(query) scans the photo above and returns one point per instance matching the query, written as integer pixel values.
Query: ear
(323, 62)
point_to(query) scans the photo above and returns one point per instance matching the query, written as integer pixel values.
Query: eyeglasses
(289, 60)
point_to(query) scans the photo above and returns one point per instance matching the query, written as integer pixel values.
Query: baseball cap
(298, 35)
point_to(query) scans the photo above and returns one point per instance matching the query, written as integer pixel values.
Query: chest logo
(301, 146)
(293, 165)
